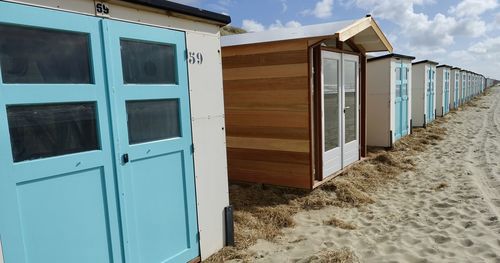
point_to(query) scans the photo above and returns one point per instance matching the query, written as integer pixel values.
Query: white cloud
(420, 30)
(468, 8)
(497, 19)
(252, 25)
(277, 24)
(284, 6)
(488, 47)
(323, 9)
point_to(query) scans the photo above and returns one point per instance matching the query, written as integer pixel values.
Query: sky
(461, 33)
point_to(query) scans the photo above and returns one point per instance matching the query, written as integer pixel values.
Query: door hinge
(192, 148)
(198, 236)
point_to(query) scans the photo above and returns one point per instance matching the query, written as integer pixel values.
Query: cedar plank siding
(266, 99)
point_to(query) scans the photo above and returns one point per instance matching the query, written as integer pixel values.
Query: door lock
(125, 158)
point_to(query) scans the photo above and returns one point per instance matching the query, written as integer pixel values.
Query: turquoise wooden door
(95, 140)
(446, 105)
(430, 112)
(58, 200)
(401, 101)
(464, 87)
(455, 93)
(152, 124)
(404, 100)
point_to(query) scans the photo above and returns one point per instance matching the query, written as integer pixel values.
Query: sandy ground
(447, 210)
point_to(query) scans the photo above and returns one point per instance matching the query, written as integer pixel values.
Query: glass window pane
(147, 63)
(33, 55)
(398, 73)
(152, 120)
(350, 83)
(331, 103)
(38, 131)
(398, 91)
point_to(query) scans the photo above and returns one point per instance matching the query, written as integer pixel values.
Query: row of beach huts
(122, 122)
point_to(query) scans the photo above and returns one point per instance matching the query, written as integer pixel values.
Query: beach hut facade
(112, 142)
(443, 78)
(455, 88)
(295, 101)
(468, 90)
(463, 93)
(388, 100)
(423, 92)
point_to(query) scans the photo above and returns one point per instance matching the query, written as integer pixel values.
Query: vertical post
(362, 119)
(228, 211)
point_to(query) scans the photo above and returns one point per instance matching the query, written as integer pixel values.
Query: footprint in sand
(467, 243)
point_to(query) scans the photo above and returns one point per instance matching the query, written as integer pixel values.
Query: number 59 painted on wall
(195, 58)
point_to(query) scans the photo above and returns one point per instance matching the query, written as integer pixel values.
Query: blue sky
(462, 33)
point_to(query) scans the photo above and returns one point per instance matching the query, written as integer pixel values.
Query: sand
(446, 210)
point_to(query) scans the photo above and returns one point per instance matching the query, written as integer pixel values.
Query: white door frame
(346, 153)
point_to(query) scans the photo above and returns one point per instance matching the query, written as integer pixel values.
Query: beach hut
(455, 88)
(464, 87)
(295, 101)
(468, 90)
(423, 93)
(112, 142)
(443, 78)
(388, 99)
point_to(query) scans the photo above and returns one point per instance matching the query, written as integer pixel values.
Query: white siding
(378, 102)
(209, 138)
(418, 94)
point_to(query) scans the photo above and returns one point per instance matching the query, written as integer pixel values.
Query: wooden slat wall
(266, 97)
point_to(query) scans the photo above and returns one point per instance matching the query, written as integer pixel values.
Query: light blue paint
(401, 101)
(464, 87)
(446, 92)
(431, 92)
(455, 90)
(157, 184)
(88, 207)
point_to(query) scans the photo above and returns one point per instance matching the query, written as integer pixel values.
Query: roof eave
(360, 25)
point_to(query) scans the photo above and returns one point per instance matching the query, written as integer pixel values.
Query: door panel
(57, 193)
(350, 151)
(404, 100)
(331, 117)
(431, 90)
(340, 87)
(64, 218)
(152, 121)
(398, 102)
(401, 101)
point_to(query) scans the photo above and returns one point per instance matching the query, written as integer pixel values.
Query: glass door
(331, 107)
(340, 114)
(350, 70)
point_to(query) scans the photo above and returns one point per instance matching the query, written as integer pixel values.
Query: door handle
(125, 158)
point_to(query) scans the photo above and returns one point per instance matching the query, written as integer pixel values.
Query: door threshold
(195, 260)
(318, 183)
